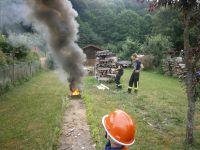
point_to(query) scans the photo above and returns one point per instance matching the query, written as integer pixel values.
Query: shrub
(13, 52)
(147, 61)
(6, 48)
(2, 58)
(32, 56)
(50, 63)
(156, 45)
(20, 53)
(128, 48)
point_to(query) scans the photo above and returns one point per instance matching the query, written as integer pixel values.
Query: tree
(128, 48)
(168, 23)
(191, 17)
(114, 48)
(111, 21)
(145, 27)
(127, 25)
(87, 35)
(156, 45)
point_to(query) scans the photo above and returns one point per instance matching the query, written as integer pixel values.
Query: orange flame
(76, 92)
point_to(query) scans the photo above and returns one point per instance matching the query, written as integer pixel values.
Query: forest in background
(122, 26)
(126, 26)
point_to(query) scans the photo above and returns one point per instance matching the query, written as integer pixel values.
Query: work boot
(136, 92)
(119, 86)
(129, 90)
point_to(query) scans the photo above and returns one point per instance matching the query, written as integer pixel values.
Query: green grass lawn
(159, 111)
(31, 114)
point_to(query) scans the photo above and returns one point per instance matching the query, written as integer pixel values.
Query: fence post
(13, 74)
(31, 69)
(4, 77)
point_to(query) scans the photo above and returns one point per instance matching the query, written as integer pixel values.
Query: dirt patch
(75, 133)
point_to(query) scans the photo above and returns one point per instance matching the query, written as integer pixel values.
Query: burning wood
(76, 92)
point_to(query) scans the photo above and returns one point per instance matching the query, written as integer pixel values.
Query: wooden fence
(11, 73)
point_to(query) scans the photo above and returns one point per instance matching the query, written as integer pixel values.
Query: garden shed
(90, 51)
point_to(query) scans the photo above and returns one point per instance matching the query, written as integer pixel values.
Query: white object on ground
(102, 87)
(105, 86)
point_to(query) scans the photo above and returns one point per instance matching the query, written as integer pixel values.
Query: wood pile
(105, 66)
(167, 66)
(173, 67)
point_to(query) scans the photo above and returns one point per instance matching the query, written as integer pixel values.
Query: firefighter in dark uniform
(135, 75)
(120, 72)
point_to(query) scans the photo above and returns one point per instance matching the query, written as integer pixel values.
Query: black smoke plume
(55, 19)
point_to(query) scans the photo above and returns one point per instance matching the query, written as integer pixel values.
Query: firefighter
(137, 66)
(198, 74)
(120, 130)
(120, 72)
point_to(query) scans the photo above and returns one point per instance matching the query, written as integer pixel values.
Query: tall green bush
(2, 58)
(156, 45)
(4, 45)
(32, 56)
(128, 48)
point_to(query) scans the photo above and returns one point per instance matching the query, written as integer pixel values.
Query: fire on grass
(75, 90)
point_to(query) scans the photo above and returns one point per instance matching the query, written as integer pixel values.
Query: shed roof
(92, 47)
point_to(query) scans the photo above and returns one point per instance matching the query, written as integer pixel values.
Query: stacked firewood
(105, 66)
(167, 66)
(173, 67)
(178, 67)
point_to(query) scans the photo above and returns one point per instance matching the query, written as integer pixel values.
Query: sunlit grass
(159, 111)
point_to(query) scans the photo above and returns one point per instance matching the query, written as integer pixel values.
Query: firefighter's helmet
(120, 127)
